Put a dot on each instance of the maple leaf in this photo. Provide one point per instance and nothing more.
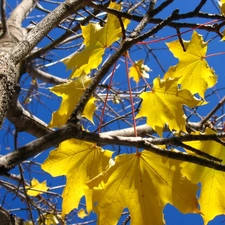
(144, 183)
(79, 161)
(48, 219)
(212, 193)
(192, 70)
(89, 109)
(96, 39)
(86, 60)
(82, 213)
(222, 6)
(163, 105)
(36, 188)
(70, 93)
(139, 70)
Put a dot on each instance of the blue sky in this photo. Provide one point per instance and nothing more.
(42, 106)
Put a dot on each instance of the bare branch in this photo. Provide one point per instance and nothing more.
(45, 77)
(33, 148)
(60, 40)
(200, 5)
(24, 120)
(20, 12)
(41, 29)
(213, 111)
(66, 132)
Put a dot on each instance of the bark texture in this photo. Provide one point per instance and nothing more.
(8, 219)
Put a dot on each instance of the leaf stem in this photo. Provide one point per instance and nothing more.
(131, 97)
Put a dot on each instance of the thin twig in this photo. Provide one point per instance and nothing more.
(28, 200)
(44, 76)
(199, 6)
(213, 111)
(180, 39)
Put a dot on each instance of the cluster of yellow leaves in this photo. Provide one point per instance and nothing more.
(146, 181)
(212, 193)
(163, 104)
(96, 39)
(142, 182)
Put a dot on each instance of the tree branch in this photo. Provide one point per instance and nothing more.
(41, 29)
(4, 18)
(24, 120)
(20, 12)
(43, 76)
(12, 159)
(213, 111)
(61, 39)
(126, 44)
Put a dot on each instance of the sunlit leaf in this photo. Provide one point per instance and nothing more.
(48, 219)
(144, 183)
(70, 93)
(212, 193)
(79, 161)
(36, 188)
(89, 109)
(192, 70)
(139, 70)
(86, 60)
(163, 105)
(222, 6)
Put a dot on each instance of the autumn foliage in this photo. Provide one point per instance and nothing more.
(180, 162)
(146, 181)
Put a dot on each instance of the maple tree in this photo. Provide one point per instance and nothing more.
(119, 129)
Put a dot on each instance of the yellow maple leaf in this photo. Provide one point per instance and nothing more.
(163, 105)
(89, 109)
(79, 161)
(144, 183)
(212, 193)
(96, 39)
(112, 31)
(222, 6)
(70, 93)
(139, 70)
(192, 70)
(36, 188)
(86, 60)
(48, 219)
(82, 213)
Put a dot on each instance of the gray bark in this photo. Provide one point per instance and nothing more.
(15, 45)
(8, 219)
